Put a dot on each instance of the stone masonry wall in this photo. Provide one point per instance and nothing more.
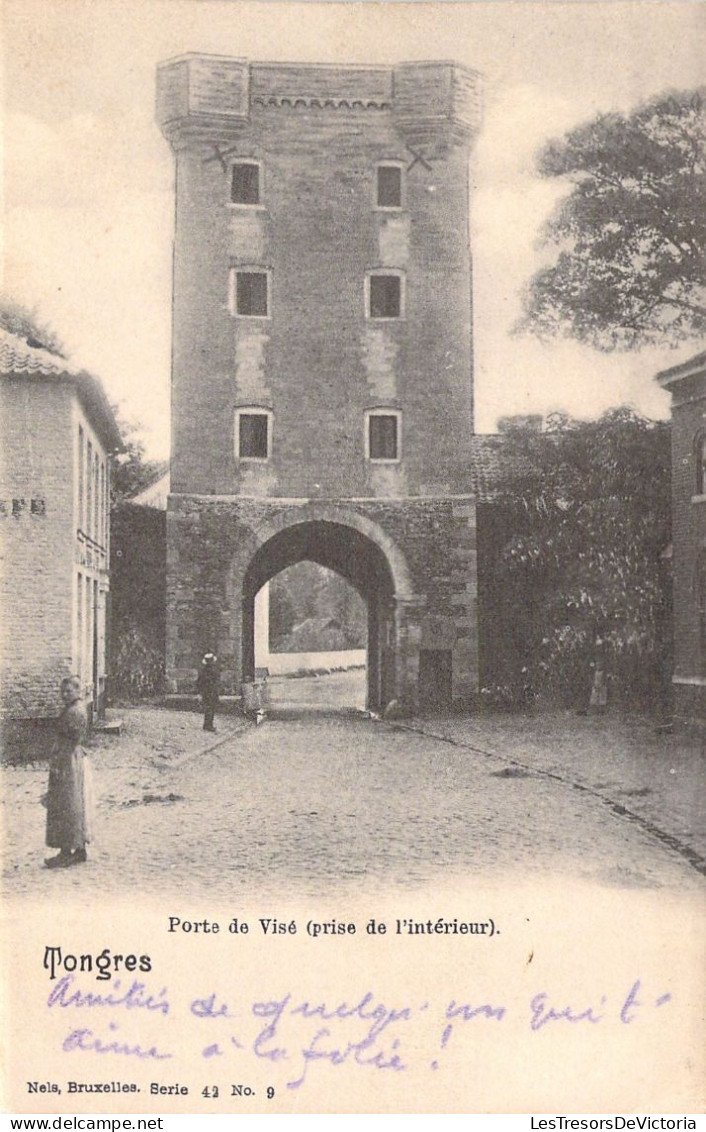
(210, 543)
(36, 540)
(317, 361)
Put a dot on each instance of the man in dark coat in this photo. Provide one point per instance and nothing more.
(207, 687)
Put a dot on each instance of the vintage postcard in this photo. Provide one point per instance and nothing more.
(353, 623)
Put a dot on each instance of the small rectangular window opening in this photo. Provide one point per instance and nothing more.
(251, 293)
(253, 433)
(245, 185)
(389, 188)
(382, 436)
(385, 296)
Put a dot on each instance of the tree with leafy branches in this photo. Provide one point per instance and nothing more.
(132, 470)
(28, 324)
(629, 238)
(582, 561)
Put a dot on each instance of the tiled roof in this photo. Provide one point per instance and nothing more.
(19, 359)
(17, 356)
(490, 466)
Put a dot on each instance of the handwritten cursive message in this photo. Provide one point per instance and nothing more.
(292, 1033)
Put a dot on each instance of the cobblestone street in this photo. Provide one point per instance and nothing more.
(313, 800)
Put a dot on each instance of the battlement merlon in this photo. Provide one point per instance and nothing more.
(214, 96)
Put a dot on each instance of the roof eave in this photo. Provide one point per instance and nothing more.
(691, 368)
(97, 405)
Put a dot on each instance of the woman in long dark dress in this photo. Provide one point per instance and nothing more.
(70, 796)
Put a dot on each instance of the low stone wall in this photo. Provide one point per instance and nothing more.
(285, 663)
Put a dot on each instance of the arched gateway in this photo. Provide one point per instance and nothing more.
(360, 552)
(322, 386)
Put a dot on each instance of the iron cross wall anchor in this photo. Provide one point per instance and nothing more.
(220, 155)
(418, 158)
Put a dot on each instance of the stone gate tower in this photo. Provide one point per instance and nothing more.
(322, 386)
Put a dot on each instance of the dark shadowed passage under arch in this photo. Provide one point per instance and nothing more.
(357, 559)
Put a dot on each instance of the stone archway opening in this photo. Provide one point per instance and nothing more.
(355, 557)
(311, 634)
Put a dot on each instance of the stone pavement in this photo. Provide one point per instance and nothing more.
(313, 802)
(656, 776)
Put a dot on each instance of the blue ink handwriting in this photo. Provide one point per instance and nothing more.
(136, 996)
(87, 1042)
(292, 1033)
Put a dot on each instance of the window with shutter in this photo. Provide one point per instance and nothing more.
(383, 436)
(389, 186)
(385, 296)
(250, 295)
(245, 183)
(253, 434)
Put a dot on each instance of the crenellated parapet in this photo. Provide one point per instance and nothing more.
(214, 96)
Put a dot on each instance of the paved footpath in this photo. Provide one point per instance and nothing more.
(658, 779)
(312, 800)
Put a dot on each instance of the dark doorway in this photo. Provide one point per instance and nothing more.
(434, 680)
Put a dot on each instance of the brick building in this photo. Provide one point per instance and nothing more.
(58, 434)
(322, 385)
(687, 385)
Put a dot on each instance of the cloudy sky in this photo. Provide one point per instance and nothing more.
(88, 186)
